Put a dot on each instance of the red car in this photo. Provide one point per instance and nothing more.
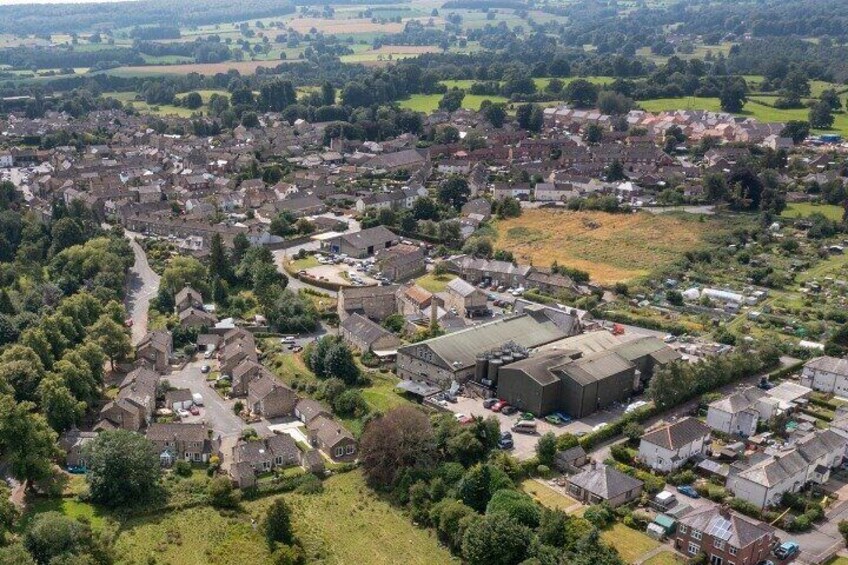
(499, 405)
(195, 411)
(465, 420)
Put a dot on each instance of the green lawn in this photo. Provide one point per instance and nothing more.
(805, 209)
(434, 283)
(68, 506)
(306, 263)
(381, 395)
(631, 545)
(838, 560)
(665, 558)
(547, 496)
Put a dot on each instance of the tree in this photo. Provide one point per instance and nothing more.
(516, 505)
(221, 493)
(15, 554)
(219, 263)
(496, 114)
(733, 96)
(28, 442)
(450, 517)
(615, 171)
(250, 120)
(184, 271)
(328, 94)
(292, 313)
(821, 116)
(594, 134)
(614, 103)
(424, 208)
(529, 117)
(831, 98)
(479, 483)
(61, 409)
(65, 233)
(843, 529)
(546, 449)
(277, 524)
(452, 100)
(715, 187)
(401, 440)
(112, 338)
(496, 540)
(669, 384)
(193, 100)
(276, 95)
(123, 468)
(798, 130)
(55, 538)
(581, 93)
(633, 431)
(454, 191)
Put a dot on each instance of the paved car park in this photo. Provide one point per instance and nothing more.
(525, 444)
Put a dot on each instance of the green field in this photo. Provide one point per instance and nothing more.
(631, 545)
(805, 209)
(338, 526)
(752, 109)
(434, 283)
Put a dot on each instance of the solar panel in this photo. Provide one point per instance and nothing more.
(720, 528)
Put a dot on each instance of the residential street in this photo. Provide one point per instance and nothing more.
(142, 285)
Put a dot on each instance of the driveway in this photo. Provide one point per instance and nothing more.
(216, 412)
(142, 285)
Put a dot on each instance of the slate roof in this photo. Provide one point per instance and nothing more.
(329, 431)
(366, 330)
(183, 432)
(377, 235)
(461, 287)
(829, 365)
(605, 481)
(676, 435)
(739, 401)
(309, 409)
(734, 529)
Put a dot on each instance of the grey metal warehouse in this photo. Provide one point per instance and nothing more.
(581, 375)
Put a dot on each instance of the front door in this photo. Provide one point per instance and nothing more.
(716, 560)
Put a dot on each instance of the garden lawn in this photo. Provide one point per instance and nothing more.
(805, 209)
(668, 558)
(434, 283)
(631, 545)
(67, 506)
(547, 496)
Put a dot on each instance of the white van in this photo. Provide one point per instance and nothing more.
(524, 427)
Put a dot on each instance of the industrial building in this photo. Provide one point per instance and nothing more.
(578, 375)
(454, 357)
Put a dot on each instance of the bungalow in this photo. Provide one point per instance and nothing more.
(332, 438)
(669, 447)
(273, 452)
(307, 410)
(602, 483)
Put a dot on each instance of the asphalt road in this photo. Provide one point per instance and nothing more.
(142, 285)
(216, 412)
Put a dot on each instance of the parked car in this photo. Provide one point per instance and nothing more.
(553, 419)
(506, 435)
(489, 402)
(499, 405)
(528, 416)
(787, 550)
(195, 411)
(184, 413)
(509, 410)
(564, 418)
(506, 444)
(205, 369)
(689, 491)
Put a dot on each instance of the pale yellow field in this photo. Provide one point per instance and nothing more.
(610, 247)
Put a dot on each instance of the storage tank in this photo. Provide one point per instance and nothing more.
(481, 368)
(507, 358)
(494, 367)
(519, 355)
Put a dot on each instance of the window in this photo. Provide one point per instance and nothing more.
(732, 550)
(693, 548)
(696, 534)
(279, 460)
(339, 451)
(716, 560)
(719, 544)
(197, 457)
(350, 449)
(682, 529)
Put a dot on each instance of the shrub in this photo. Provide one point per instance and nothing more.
(516, 505)
(599, 515)
(745, 507)
(621, 453)
(682, 477)
(182, 468)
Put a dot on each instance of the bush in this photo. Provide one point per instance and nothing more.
(599, 515)
(621, 454)
(745, 507)
(543, 471)
(182, 468)
(682, 477)
(516, 505)
(221, 493)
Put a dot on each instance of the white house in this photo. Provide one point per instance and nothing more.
(669, 447)
(739, 412)
(827, 374)
(765, 477)
(6, 160)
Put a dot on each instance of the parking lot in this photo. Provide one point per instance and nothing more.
(525, 444)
